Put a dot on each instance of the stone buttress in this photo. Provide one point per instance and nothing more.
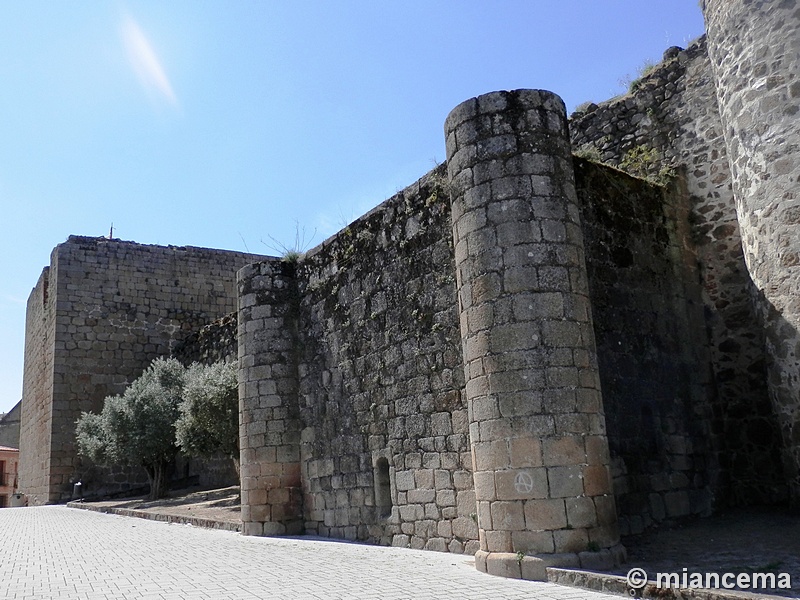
(755, 52)
(537, 429)
(269, 424)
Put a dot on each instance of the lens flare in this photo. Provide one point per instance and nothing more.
(145, 63)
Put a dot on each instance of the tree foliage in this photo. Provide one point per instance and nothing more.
(209, 414)
(138, 428)
(168, 407)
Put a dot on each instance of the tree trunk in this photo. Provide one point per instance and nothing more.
(157, 476)
(236, 466)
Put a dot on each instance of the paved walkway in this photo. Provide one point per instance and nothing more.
(54, 552)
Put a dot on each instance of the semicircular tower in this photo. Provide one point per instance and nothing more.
(754, 47)
(537, 430)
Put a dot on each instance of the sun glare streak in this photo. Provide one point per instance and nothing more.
(145, 63)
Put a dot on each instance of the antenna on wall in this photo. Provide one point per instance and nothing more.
(111, 232)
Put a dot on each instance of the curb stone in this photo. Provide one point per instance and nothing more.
(616, 584)
(153, 516)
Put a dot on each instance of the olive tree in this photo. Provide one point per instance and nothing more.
(138, 427)
(209, 414)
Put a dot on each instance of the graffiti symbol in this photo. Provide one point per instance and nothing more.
(523, 483)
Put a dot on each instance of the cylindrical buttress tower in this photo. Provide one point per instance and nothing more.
(269, 424)
(755, 52)
(537, 430)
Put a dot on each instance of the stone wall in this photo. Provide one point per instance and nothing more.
(380, 378)
(431, 376)
(537, 429)
(361, 419)
(212, 343)
(37, 388)
(99, 315)
(652, 346)
(670, 126)
(754, 51)
(269, 424)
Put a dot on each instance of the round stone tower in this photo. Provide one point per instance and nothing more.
(537, 430)
(754, 47)
(269, 423)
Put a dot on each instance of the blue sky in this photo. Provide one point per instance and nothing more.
(225, 124)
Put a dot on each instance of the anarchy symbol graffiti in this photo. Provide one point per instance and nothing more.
(523, 483)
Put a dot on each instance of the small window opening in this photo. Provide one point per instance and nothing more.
(383, 488)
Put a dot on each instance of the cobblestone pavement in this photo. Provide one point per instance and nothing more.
(54, 552)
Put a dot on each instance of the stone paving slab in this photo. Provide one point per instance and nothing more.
(755, 539)
(738, 541)
(54, 552)
(713, 544)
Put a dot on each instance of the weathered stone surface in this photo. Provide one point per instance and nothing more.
(670, 123)
(431, 375)
(98, 316)
(753, 49)
(536, 270)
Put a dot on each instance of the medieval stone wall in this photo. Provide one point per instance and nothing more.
(652, 346)
(9, 427)
(355, 420)
(37, 389)
(99, 315)
(755, 51)
(522, 355)
(381, 379)
(537, 429)
(212, 343)
(669, 125)
(269, 423)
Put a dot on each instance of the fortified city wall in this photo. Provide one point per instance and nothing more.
(755, 54)
(363, 432)
(211, 343)
(523, 355)
(98, 316)
(669, 125)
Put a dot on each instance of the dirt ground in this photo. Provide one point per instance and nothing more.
(221, 505)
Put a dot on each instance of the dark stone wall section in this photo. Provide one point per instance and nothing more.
(381, 378)
(669, 127)
(652, 346)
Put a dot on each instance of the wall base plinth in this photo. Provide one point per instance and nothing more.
(534, 568)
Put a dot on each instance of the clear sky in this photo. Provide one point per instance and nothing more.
(226, 123)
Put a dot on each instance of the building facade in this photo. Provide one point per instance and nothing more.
(9, 460)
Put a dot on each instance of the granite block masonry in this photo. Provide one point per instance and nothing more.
(524, 355)
(100, 313)
(537, 431)
(755, 54)
(269, 425)
(670, 123)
